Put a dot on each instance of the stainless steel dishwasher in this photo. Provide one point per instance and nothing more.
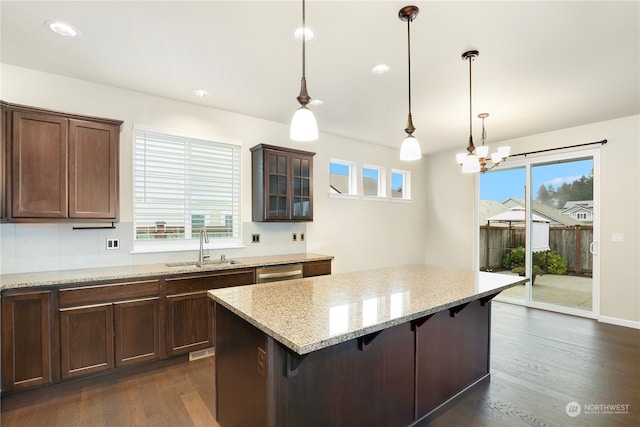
(279, 272)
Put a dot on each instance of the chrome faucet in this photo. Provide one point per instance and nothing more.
(204, 238)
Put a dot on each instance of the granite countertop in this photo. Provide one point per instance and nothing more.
(65, 277)
(317, 312)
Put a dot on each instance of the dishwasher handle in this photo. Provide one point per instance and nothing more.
(279, 275)
(281, 272)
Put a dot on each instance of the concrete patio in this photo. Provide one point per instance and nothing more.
(567, 291)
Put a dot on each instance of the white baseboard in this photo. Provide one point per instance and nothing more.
(619, 322)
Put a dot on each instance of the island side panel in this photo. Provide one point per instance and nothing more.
(241, 383)
(366, 381)
(452, 353)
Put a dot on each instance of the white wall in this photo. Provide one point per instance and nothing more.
(452, 195)
(360, 234)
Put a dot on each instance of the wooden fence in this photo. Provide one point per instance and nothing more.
(571, 243)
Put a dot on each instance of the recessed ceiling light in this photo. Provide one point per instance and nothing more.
(316, 102)
(200, 93)
(380, 69)
(62, 28)
(309, 34)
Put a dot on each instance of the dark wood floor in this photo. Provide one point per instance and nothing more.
(541, 362)
(179, 394)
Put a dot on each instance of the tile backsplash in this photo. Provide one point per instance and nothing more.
(45, 247)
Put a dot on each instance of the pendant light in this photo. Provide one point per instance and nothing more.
(303, 124)
(475, 159)
(410, 148)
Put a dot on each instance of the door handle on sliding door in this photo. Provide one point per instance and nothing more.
(593, 248)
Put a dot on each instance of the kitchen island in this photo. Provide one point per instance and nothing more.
(384, 347)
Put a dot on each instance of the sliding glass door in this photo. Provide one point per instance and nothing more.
(563, 269)
(502, 225)
(539, 219)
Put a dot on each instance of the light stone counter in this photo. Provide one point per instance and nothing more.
(317, 312)
(65, 277)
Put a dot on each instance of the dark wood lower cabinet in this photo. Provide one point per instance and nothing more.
(86, 340)
(189, 322)
(26, 340)
(446, 344)
(137, 336)
(316, 268)
(65, 332)
(400, 376)
(107, 326)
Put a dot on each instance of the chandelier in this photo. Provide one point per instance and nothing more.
(475, 159)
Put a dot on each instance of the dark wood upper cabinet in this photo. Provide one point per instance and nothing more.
(59, 167)
(4, 129)
(39, 166)
(93, 170)
(282, 181)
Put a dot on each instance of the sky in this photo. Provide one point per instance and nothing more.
(503, 183)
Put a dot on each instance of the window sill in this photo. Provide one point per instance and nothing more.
(343, 196)
(375, 198)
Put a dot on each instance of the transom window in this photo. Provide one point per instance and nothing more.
(400, 185)
(342, 178)
(373, 181)
(182, 185)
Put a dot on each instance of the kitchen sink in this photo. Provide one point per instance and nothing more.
(192, 264)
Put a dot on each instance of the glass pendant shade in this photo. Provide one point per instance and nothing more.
(410, 149)
(504, 151)
(460, 158)
(496, 157)
(303, 125)
(482, 151)
(471, 164)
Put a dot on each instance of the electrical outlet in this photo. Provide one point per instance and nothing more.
(113, 244)
(295, 237)
(255, 238)
(302, 237)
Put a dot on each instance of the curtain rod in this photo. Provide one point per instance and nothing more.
(604, 141)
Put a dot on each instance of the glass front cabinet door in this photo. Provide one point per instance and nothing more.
(282, 184)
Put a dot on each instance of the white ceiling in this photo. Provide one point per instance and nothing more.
(543, 65)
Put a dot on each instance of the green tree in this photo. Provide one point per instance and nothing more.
(579, 189)
(544, 196)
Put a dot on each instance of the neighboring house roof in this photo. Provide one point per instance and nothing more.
(554, 216)
(515, 214)
(584, 203)
(489, 208)
(339, 184)
(576, 209)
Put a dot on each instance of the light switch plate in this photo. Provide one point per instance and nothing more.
(617, 237)
(113, 244)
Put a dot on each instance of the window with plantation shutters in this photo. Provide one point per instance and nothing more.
(183, 184)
